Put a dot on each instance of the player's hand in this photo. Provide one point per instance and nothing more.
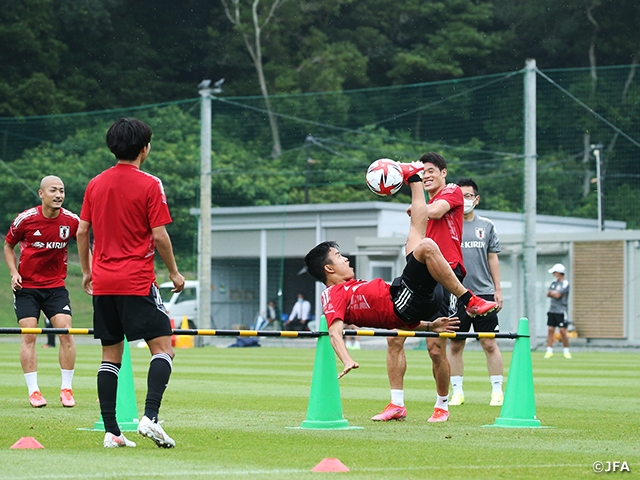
(445, 324)
(178, 282)
(497, 297)
(87, 283)
(348, 367)
(16, 282)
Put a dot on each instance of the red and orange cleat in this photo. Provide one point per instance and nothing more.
(479, 306)
(411, 169)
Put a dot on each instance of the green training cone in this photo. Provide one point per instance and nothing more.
(325, 407)
(519, 407)
(126, 409)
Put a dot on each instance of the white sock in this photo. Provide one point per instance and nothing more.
(32, 381)
(550, 349)
(442, 402)
(496, 383)
(566, 350)
(67, 379)
(397, 397)
(356, 343)
(456, 383)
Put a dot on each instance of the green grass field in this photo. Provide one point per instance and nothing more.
(229, 409)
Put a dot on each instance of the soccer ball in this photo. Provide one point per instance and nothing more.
(384, 177)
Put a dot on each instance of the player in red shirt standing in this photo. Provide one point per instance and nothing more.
(445, 216)
(127, 210)
(43, 233)
(403, 304)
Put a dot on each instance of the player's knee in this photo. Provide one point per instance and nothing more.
(457, 347)
(395, 344)
(426, 248)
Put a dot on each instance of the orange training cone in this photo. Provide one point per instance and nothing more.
(330, 465)
(184, 341)
(27, 442)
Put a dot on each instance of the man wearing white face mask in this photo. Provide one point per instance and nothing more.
(480, 247)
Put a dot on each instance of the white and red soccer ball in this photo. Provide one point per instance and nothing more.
(384, 177)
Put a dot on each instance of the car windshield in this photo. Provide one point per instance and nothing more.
(166, 293)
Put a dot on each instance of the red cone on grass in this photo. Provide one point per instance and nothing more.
(330, 465)
(27, 442)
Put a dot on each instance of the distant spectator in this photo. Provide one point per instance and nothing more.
(300, 315)
(273, 316)
(558, 309)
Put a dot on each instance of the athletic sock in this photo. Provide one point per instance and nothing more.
(464, 298)
(397, 397)
(442, 402)
(456, 384)
(32, 381)
(107, 393)
(157, 381)
(566, 350)
(67, 379)
(549, 349)
(496, 383)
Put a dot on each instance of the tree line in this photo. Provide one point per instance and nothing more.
(64, 56)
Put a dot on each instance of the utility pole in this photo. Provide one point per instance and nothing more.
(598, 180)
(530, 187)
(307, 144)
(204, 234)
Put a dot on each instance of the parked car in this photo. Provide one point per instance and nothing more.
(181, 304)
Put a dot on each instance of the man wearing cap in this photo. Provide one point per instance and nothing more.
(557, 315)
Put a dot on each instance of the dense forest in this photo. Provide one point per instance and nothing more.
(314, 90)
(63, 56)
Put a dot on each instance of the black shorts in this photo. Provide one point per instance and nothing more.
(557, 320)
(115, 316)
(417, 296)
(29, 302)
(486, 323)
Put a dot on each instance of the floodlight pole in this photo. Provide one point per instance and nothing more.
(530, 187)
(204, 235)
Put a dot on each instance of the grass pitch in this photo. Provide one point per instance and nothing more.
(228, 410)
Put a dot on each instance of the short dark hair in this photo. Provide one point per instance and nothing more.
(468, 182)
(317, 258)
(127, 137)
(434, 158)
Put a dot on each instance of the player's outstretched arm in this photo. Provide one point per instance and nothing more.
(337, 342)
(440, 325)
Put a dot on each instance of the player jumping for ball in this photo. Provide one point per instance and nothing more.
(403, 304)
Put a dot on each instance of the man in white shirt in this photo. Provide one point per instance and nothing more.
(300, 315)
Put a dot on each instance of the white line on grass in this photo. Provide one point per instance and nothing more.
(193, 473)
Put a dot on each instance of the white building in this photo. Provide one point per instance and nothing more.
(602, 266)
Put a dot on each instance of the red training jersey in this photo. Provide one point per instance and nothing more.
(123, 204)
(447, 231)
(362, 303)
(43, 246)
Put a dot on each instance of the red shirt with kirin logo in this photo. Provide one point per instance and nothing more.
(43, 246)
(362, 303)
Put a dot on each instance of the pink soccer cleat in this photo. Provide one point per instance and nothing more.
(37, 400)
(439, 415)
(66, 397)
(391, 412)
